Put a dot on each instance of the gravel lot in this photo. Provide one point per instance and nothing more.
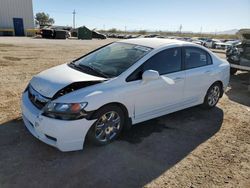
(190, 148)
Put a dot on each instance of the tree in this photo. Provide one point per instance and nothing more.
(142, 32)
(113, 30)
(44, 19)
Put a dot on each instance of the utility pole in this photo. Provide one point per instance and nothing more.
(180, 28)
(74, 15)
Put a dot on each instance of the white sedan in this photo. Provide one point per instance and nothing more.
(118, 85)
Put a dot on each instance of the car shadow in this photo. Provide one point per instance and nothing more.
(238, 88)
(139, 156)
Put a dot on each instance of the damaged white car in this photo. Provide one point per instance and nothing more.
(118, 85)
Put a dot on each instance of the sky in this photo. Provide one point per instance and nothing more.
(152, 15)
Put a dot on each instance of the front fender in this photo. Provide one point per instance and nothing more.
(98, 98)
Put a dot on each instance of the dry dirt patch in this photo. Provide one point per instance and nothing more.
(11, 58)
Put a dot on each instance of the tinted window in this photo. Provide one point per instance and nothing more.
(166, 61)
(195, 57)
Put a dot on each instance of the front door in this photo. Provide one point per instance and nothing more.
(18, 26)
(153, 98)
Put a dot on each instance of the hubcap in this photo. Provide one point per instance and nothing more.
(107, 126)
(213, 96)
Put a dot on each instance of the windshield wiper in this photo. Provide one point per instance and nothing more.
(95, 70)
(88, 68)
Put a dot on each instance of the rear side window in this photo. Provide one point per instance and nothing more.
(166, 61)
(196, 57)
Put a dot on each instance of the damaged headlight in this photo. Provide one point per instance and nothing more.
(65, 111)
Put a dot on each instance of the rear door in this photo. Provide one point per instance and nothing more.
(199, 73)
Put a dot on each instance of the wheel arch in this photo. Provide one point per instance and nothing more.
(128, 120)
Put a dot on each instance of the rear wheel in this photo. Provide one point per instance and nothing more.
(110, 121)
(212, 96)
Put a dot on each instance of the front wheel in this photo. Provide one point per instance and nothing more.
(212, 96)
(110, 121)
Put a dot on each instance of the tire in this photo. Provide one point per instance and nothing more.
(233, 71)
(213, 95)
(104, 131)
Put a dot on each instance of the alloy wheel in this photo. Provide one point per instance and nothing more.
(213, 95)
(107, 126)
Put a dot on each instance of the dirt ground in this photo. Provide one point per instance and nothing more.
(190, 148)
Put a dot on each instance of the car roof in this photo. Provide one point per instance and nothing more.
(153, 42)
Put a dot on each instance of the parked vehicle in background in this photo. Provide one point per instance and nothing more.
(152, 36)
(160, 37)
(221, 45)
(233, 42)
(130, 36)
(121, 36)
(97, 35)
(210, 43)
(47, 33)
(238, 55)
(127, 36)
(118, 85)
(200, 42)
(61, 34)
(203, 40)
(135, 36)
(55, 32)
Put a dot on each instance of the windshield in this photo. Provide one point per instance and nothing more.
(112, 60)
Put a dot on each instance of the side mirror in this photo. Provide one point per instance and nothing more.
(150, 75)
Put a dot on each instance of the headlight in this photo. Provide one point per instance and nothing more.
(65, 111)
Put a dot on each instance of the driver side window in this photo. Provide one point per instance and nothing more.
(165, 62)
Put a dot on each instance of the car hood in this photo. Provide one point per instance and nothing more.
(50, 81)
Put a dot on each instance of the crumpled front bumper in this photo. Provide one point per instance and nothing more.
(62, 134)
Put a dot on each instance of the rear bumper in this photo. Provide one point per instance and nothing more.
(64, 135)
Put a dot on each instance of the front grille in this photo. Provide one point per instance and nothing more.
(37, 99)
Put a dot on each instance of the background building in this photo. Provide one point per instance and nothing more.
(16, 17)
